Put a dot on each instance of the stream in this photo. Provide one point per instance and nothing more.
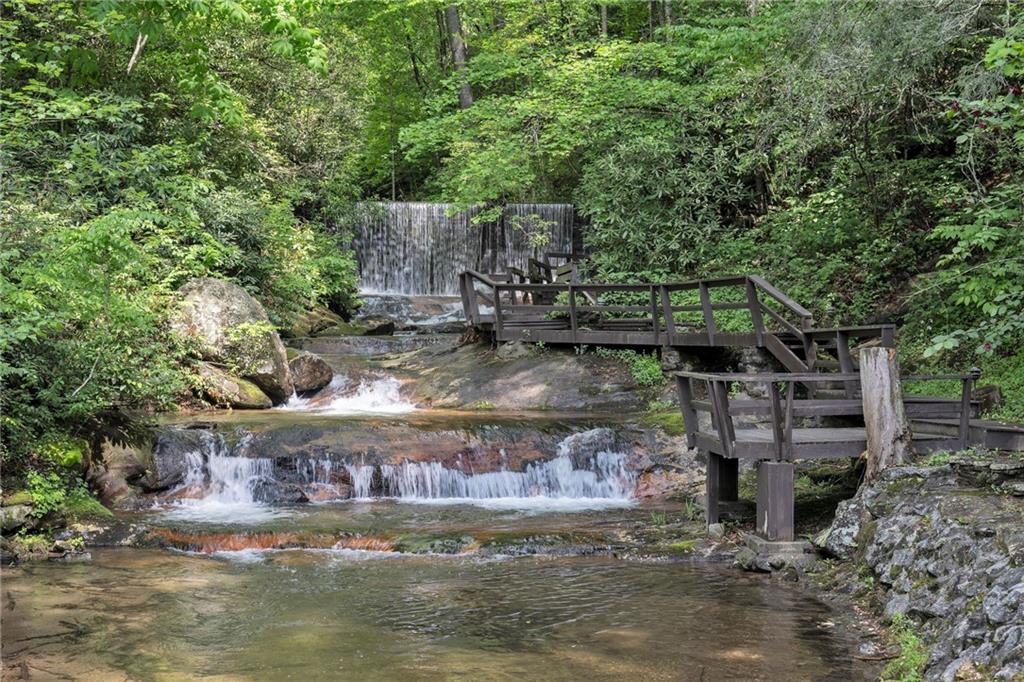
(427, 546)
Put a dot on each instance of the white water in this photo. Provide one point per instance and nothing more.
(372, 395)
(418, 248)
(227, 484)
(223, 487)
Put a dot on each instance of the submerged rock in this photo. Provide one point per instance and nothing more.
(231, 327)
(309, 372)
(230, 391)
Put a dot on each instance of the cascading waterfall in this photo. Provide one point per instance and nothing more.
(221, 484)
(556, 478)
(420, 248)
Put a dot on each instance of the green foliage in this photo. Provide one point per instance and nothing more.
(908, 666)
(645, 367)
(47, 491)
(140, 148)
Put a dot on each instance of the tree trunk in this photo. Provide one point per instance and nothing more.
(604, 21)
(451, 16)
(667, 7)
(888, 434)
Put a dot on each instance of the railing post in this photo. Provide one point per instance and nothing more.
(655, 326)
(845, 361)
(498, 326)
(670, 324)
(775, 407)
(965, 406)
(709, 312)
(684, 386)
(572, 312)
(755, 312)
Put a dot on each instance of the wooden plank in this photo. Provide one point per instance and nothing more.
(775, 500)
(653, 298)
(711, 493)
(782, 298)
(845, 360)
(775, 407)
(965, 412)
(783, 354)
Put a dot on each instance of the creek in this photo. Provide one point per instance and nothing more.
(355, 535)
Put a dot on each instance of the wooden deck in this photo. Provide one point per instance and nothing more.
(723, 312)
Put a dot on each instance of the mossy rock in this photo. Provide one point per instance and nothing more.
(226, 389)
(17, 497)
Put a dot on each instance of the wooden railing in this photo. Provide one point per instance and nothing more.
(646, 315)
(783, 407)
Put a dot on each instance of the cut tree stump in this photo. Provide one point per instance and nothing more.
(885, 422)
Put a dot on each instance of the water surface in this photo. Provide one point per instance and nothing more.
(303, 615)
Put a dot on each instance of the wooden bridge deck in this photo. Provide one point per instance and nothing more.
(724, 312)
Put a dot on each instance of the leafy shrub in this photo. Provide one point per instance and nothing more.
(645, 367)
(908, 666)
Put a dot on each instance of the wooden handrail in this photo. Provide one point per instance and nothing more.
(782, 298)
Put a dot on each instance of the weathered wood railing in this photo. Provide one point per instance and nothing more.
(784, 441)
(652, 315)
(787, 438)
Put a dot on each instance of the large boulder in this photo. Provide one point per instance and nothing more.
(309, 372)
(232, 328)
(228, 390)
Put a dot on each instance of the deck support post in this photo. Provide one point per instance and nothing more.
(721, 484)
(889, 438)
(775, 500)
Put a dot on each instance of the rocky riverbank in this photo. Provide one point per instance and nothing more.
(940, 548)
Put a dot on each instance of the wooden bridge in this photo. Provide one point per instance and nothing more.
(818, 414)
(726, 312)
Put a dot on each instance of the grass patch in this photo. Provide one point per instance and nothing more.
(645, 367)
(483, 405)
(669, 421)
(908, 666)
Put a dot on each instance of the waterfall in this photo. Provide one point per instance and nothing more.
(418, 248)
(569, 475)
(220, 483)
(555, 478)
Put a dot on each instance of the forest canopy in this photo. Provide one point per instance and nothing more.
(866, 156)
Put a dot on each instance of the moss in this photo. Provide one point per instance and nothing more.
(685, 546)
(291, 353)
(669, 421)
(18, 497)
(483, 405)
(80, 505)
(904, 484)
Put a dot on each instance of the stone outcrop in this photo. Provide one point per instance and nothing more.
(950, 556)
(231, 327)
(547, 379)
(229, 391)
(309, 372)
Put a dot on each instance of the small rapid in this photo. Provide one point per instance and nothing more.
(373, 394)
